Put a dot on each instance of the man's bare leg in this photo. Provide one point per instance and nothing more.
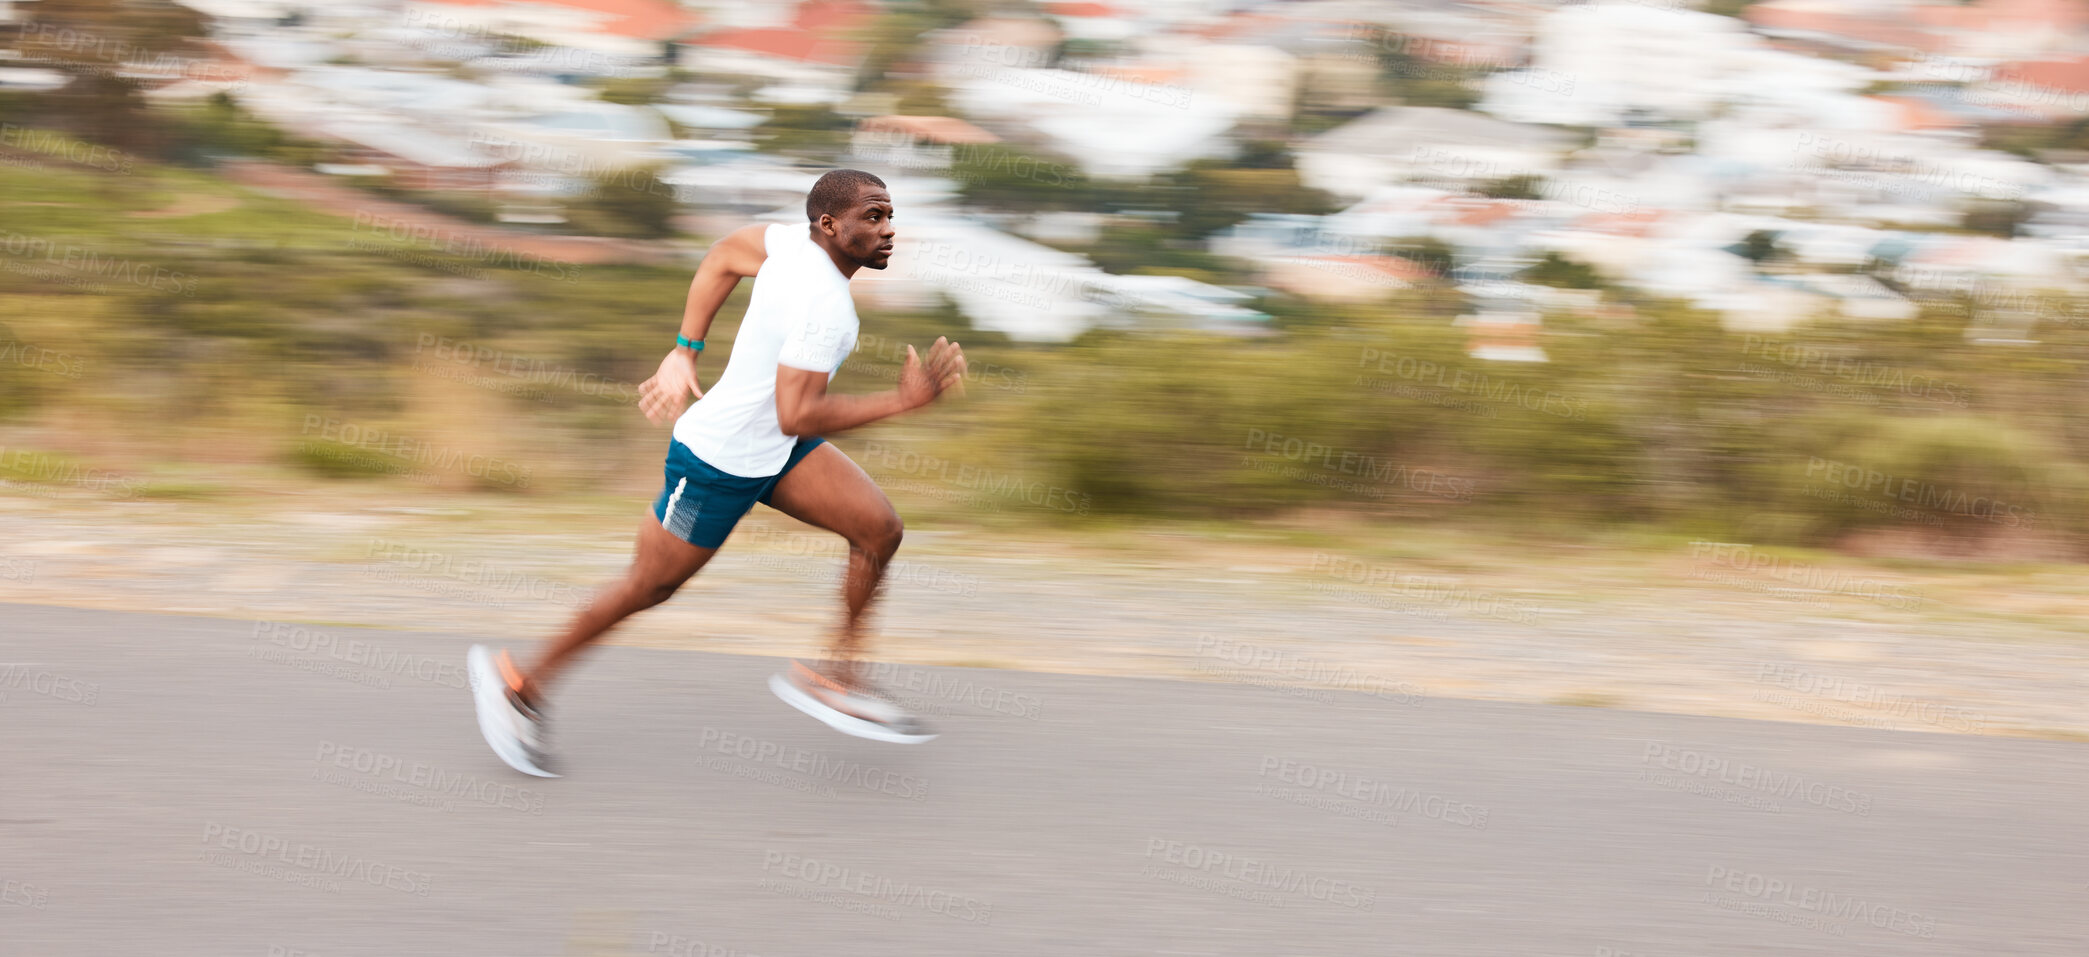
(828, 491)
(662, 563)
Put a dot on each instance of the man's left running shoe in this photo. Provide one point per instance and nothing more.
(858, 710)
(513, 728)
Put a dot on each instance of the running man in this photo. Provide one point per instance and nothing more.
(755, 437)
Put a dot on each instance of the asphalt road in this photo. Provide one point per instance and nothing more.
(174, 786)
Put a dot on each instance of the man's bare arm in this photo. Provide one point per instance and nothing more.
(803, 406)
(739, 255)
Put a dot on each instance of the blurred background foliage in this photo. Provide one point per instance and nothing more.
(273, 317)
(1650, 415)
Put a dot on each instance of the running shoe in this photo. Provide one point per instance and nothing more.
(860, 710)
(513, 728)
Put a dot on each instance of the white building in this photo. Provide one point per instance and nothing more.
(1598, 64)
(1430, 145)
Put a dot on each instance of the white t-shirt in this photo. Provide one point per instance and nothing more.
(801, 316)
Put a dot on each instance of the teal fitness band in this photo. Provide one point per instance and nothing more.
(682, 340)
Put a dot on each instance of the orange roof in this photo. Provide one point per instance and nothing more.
(1077, 9)
(644, 19)
(1142, 73)
(829, 15)
(786, 43)
(819, 33)
(2070, 76)
(1406, 270)
(1476, 210)
(934, 129)
(1237, 25)
(1638, 223)
(1918, 114)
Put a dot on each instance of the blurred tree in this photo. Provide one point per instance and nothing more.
(1760, 246)
(1005, 177)
(896, 36)
(1995, 217)
(813, 132)
(1426, 250)
(92, 41)
(1563, 273)
(919, 98)
(1418, 82)
(1212, 195)
(631, 203)
(1727, 8)
(633, 91)
(1511, 187)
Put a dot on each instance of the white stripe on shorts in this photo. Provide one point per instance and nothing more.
(667, 518)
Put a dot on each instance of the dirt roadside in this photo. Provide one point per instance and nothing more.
(1664, 632)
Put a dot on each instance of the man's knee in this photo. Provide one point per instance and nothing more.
(653, 593)
(655, 587)
(882, 539)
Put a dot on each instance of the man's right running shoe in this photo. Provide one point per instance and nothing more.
(859, 711)
(512, 728)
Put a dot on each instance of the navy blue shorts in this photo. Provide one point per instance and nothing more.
(700, 504)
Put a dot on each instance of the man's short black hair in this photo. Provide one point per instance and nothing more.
(836, 192)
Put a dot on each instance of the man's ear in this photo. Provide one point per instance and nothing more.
(826, 224)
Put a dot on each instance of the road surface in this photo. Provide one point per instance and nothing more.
(180, 786)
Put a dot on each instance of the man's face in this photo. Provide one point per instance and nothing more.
(864, 230)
